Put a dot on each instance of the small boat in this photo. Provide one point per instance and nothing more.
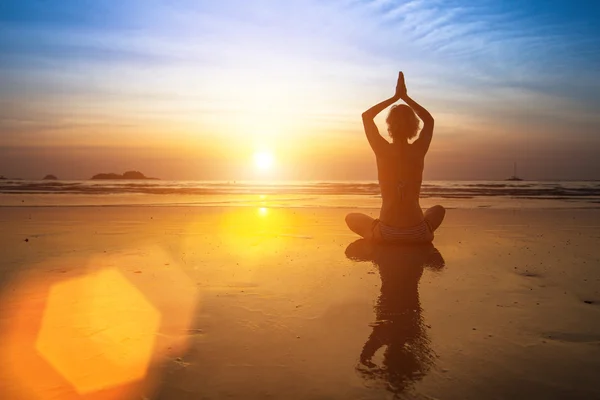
(514, 177)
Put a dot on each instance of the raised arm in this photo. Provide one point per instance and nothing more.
(377, 142)
(424, 140)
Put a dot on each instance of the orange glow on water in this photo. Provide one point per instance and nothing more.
(253, 233)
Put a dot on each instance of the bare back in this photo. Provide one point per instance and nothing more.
(400, 174)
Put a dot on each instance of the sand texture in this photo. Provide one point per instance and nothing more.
(285, 303)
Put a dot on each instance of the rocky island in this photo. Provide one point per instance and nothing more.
(129, 175)
(50, 178)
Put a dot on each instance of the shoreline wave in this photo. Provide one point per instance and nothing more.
(438, 189)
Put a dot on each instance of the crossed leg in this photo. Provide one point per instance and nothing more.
(435, 216)
(362, 224)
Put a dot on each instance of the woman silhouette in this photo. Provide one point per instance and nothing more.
(400, 172)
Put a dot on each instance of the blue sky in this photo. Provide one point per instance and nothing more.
(505, 80)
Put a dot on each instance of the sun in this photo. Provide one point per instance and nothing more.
(263, 160)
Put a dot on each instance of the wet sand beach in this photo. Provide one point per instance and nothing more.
(257, 302)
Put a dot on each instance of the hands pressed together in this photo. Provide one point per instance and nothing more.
(400, 87)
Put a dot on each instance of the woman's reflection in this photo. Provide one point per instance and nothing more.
(399, 324)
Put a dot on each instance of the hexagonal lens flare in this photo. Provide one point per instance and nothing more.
(98, 331)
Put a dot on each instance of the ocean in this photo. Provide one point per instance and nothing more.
(359, 194)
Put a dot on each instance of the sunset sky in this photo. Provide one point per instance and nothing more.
(188, 89)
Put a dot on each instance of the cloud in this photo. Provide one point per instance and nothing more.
(293, 68)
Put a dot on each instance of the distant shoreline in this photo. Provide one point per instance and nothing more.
(292, 181)
(129, 175)
(122, 179)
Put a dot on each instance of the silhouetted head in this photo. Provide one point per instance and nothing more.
(402, 123)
